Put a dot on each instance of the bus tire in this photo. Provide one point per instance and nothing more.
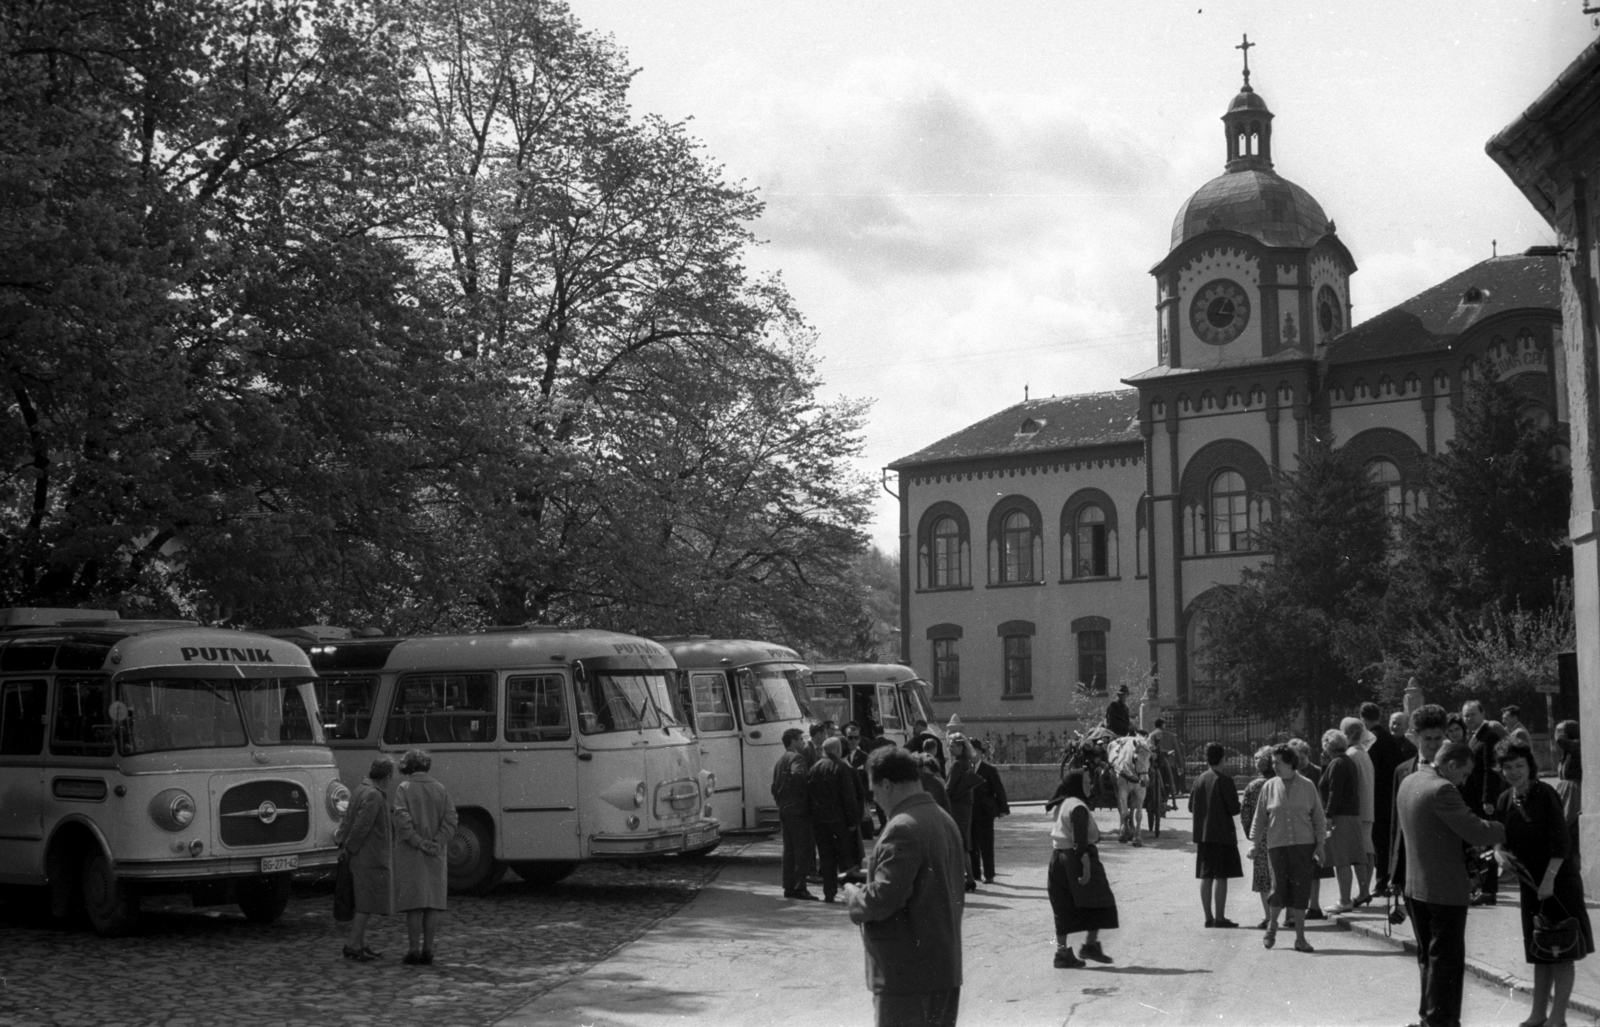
(109, 904)
(542, 873)
(473, 868)
(263, 899)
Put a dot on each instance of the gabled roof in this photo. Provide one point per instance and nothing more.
(1435, 318)
(1037, 425)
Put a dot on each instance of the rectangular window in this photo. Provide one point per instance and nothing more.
(430, 709)
(889, 708)
(22, 718)
(712, 711)
(82, 726)
(1019, 665)
(346, 704)
(1092, 660)
(536, 709)
(946, 668)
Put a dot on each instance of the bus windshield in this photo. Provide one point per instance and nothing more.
(766, 694)
(191, 713)
(610, 701)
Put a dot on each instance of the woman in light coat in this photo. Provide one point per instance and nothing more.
(1290, 823)
(424, 818)
(367, 842)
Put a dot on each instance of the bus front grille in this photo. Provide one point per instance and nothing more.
(675, 799)
(265, 813)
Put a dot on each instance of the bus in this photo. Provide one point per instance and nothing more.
(741, 696)
(884, 698)
(557, 745)
(146, 757)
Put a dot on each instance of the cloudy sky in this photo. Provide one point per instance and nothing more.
(966, 198)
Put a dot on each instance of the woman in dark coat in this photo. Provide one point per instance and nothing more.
(1538, 851)
(366, 842)
(1339, 787)
(425, 818)
(1080, 895)
(959, 785)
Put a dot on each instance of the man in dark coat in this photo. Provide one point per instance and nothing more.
(1435, 822)
(1483, 787)
(910, 908)
(960, 782)
(1384, 752)
(1427, 723)
(856, 756)
(1117, 718)
(1399, 728)
(835, 811)
(812, 750)
(789, 790)
(1214, 802)
(989, 804)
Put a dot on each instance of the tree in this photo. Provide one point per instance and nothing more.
(1300, 630)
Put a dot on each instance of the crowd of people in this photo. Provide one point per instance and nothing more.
(1424, 811)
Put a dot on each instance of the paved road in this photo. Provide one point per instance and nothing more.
(196, 968)
(740, 954)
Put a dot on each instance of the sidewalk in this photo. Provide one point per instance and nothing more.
(1494, 944)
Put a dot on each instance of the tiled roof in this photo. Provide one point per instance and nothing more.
(1259, 203)
(1435, 318)
(1060, 422)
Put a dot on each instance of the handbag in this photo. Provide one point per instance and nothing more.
(1556, 940)
(344, 891)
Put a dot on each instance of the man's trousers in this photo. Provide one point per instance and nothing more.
(1441, 934)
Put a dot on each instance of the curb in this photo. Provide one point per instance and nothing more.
(1483, 971)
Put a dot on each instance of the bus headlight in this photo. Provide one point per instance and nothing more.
(338, 797)
(172, 809)
(639, 794)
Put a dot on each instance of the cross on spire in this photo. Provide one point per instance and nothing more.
(1245, 46)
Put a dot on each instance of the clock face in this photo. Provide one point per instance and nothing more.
(1329, 317)
(1219, 312)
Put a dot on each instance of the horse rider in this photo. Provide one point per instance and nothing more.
(1117, 719)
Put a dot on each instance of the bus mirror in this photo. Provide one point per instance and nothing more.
(119, 712)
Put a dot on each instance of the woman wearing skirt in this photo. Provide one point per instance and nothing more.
(1260, 872)
(1080, 895)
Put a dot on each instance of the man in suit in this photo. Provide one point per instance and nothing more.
(812, 750)
(789, 791)
(1427, 724)
(1483, 788)
(910, 908)
(1385, 754)
(1117, 719)
(1435, 821)
(831, 789)
(990, 805)
(1214, 803)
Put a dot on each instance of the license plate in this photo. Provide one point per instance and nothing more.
(278, 864)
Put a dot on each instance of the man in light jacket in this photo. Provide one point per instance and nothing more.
(910, 908)
(1435, 820)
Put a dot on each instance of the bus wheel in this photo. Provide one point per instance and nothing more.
(542, 873)
(263, 899)
(473, 868)
(110, 906)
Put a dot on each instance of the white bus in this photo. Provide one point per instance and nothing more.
(741, 696)
(141, 757)
(556, 745)
(886, 699)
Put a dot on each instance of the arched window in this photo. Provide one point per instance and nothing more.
(944, 548)
(1386, 475)
(946, 553)
(1091, 558)
(1229, 513)
(1016, 547)
(1016, 544)
(1088, 536)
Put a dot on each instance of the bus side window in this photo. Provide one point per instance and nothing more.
(442, 707)
(22, 718)
(346, 704)
(536, 709)
(711, 709)
(82, 726)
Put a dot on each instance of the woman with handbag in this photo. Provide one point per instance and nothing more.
(1080, 895)
(1555, 924)
(366, 855)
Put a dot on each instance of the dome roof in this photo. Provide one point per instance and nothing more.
(1257, 202)
(1247, 100)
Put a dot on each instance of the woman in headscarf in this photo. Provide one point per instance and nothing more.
(1080, 895)
(425, 819)
(366, 841)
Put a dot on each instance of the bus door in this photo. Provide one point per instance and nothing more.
(890, 716)
(539, 771)
(22, 721)
(721, 751)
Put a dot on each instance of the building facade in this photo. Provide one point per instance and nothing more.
(1066, 545)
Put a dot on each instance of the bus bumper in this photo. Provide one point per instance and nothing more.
(217, 867)
(696, 836)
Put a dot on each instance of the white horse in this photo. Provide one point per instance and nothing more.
(1130, 757)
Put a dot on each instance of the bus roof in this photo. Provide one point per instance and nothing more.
(491, 650)
(844, 672)
(698, 652)
(149, 647)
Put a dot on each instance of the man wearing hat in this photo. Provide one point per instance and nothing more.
(1117, 714)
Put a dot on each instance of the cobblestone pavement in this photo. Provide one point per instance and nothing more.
(187, 967)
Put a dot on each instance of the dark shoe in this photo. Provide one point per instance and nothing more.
(368, 950)
(988, 880)
(1261, 926)
(803, 894)
(1317, 914)
(427, 958)
(359, 955)
(1361, 900)
(1271, 937)
(1301, 945)
(1222, 921)
(412, 959)
(972, 886)
(1092, 950)
(1211, 921)
(1065, 960)
(1485, 899)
